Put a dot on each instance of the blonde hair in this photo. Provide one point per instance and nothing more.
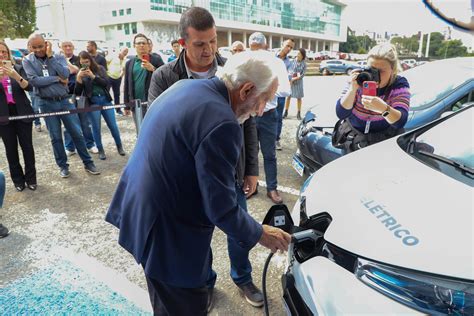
(389, 53)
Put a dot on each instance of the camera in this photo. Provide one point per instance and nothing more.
(368, 74)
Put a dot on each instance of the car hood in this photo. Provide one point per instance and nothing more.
(328, 120)
(433, 212)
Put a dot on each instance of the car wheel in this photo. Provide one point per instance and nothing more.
(325, 72)
(348, 71)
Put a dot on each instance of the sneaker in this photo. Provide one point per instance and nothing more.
(92, 169)
(278, 145)
(69, 153)
(93, 150)
(64, 173)
(252, 294)
(38, 128)
(121, 151)
(3, 231)
(102, 155)
(210, 299)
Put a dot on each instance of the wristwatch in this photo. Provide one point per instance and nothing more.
(386, 112)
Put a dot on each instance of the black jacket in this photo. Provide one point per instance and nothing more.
(128, 89)
(22, 103)
(165, 76)
(85, 88)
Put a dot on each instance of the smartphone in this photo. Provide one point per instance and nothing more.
(146, 57)
(369, 88)
(7, 64)
(84, 67)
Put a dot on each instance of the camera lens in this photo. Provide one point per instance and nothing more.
(363, 76)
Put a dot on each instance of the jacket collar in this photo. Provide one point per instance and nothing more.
(180, 67)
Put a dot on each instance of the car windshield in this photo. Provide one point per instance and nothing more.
(449, 75)
(437, 148)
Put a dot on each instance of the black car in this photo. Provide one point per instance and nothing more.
(437, 88)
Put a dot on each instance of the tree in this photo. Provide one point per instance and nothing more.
(19, 15)
(453, 48)
(6, 27)
(357, 44)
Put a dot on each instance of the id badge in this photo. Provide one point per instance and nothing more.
(45, 73)
(367, 127)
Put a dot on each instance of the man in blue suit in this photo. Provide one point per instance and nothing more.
(180, 182)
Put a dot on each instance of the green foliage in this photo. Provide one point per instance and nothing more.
(357, 44)
(406, 45)
(17, 18)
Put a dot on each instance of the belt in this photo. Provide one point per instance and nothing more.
(56, 98)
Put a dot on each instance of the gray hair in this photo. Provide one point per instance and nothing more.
(257, 38)
(257, 67)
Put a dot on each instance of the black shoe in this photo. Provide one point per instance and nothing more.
(20, 187)
(64, 173)
(121, 151)
(102, 155)
(252, 294)
(285, 114)
(32, 187)
(298, 115)
(3, 231)
(210, 299)
(92, 169)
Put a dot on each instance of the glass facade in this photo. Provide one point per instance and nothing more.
(315, 16)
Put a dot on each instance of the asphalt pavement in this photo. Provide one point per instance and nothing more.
(62, 257)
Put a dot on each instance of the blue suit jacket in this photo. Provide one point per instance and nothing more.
(179, 184)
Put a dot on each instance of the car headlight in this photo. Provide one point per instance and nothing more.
(423, 292)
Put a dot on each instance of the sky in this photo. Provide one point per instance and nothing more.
(406, 17)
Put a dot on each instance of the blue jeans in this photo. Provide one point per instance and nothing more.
(71, 123)
(86, 131)
(280, 108)
(240, 267)
(109, 117)
(34, 105)
(2, 188)
(267, 134)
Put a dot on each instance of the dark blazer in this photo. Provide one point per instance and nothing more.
(22, 106)
(87, 84)
(179, 183)
(128, 88)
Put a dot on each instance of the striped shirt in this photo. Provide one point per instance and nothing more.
(398, 97)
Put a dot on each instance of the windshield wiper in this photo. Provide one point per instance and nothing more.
(448, 161)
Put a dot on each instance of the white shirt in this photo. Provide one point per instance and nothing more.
(284, 88)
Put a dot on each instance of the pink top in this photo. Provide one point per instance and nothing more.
(7, 86)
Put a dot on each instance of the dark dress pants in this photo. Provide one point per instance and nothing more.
(17, 132)
(170, 300)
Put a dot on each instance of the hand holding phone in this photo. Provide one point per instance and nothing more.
(369, 88)
(49, 49)
(146, 58)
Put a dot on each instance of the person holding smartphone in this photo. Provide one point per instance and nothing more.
(14, 102)
(384, 114)
(92, 82)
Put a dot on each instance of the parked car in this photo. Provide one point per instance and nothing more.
(450, 86)
(328, 67)
(409, 62)
(388, 229)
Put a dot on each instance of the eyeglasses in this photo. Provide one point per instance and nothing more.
(141, 43)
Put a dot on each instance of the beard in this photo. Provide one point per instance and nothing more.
(246, 109)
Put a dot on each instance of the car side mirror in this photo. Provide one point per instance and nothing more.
(309, 116)
(279, 216)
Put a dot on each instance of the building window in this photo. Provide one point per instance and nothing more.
(129, 45)
(120, 44)
(119, 27)
(114, 13)
(134, 28)
(126, 28)
(121, 12)
(129, 11)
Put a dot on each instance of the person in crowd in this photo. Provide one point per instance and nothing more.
(374, 118)
(267, 124)
(115, 66)
(287, 47)
(199, 59)
(138, 72)
(176, 47)
(237, 47)
(92, 83)
(14, 102)
(296, 74)
(3, 230)
(174, 210)
(32, 93)
(49, 73)
(150, 46)
(92, 50)
(67, 48)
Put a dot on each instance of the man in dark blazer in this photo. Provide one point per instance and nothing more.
(180, 182)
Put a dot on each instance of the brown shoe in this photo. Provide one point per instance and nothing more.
(275, 196)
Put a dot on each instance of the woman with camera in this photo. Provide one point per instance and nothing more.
(297, 71)
(91, 84)
(375, 105)
(14, 102)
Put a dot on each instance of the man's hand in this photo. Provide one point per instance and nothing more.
(147, 65)
(63, 81)
(49, 49)
(274, 239)
(250, 185)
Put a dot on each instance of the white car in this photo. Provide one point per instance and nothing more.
(389, 228)
(409, 62)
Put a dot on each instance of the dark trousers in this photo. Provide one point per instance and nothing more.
(17, 132)
(115, 85)
(280, 108)
(170, 300)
